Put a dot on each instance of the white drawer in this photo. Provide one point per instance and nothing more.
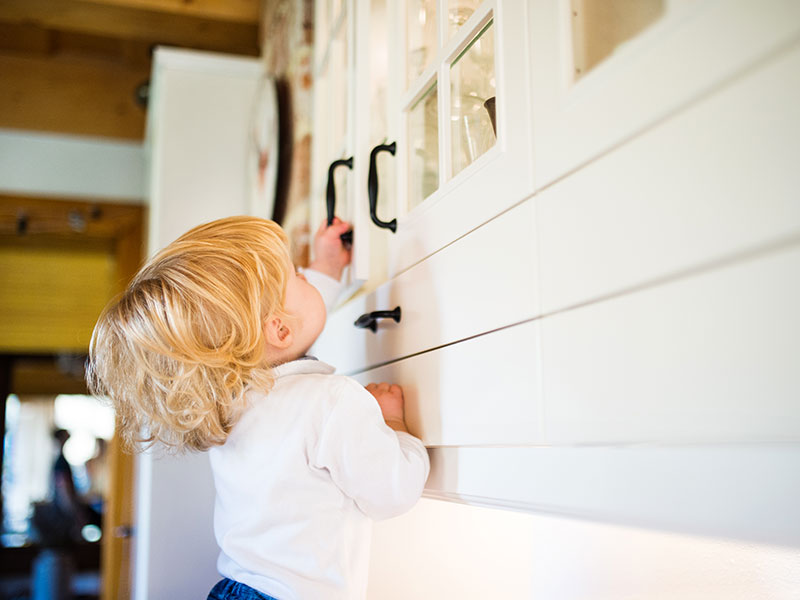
(718, 180)
(482, 391)
(712, 358)
(484, 281)
(745, 491)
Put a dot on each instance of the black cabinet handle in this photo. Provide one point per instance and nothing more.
(347, 236)
(372, 186)
(369, 320)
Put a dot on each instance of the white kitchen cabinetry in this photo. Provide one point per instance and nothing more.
(443, 90)
(605, 71)
(597, 300)
(333, 117)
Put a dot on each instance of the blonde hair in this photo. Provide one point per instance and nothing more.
(177, 350)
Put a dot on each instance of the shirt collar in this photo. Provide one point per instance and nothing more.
(303, 366)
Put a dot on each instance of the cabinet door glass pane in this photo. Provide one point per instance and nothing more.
(472, 100)
(458, 11)
(423, 148)
(420, 36)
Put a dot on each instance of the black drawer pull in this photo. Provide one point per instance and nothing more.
(370, 320)
(347, 236)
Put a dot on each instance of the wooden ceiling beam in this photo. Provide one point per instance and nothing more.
(119, 18)
(63, 95)
(46, 219)
(237, 11)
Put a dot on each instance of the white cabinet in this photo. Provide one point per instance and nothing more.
(467, 289)
(607, 275)
(716, 181)
(443, 89)
(605, 71)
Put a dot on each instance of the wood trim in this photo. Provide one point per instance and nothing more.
(71, 95)
(118, 523)
(237, 11)
(201, 29)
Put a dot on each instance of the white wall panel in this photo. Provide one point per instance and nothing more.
(198, 120)
(441, 551)
(42, 164)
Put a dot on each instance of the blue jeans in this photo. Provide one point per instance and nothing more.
(228, 589)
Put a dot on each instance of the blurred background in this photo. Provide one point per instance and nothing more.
(75, 79)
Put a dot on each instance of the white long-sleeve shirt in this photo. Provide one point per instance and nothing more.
(300, 478)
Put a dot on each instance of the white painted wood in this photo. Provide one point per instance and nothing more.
(689, 52)
(196, 148)
(442, 551)
(43, 164)
(713, 357)
(714, 181)
(482, 282)
(496, 181)
(742, 491)
(482, 391)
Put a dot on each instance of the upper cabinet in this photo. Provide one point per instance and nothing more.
(435, 114)
(333, 115)
(603, 72)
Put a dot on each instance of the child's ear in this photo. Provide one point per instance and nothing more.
(278, 333)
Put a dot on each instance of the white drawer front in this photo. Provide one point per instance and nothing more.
(483, 391)
(720, 179)
(484, 281)
(710, 358)
(746, 491)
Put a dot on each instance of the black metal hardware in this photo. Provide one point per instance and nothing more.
(347, 236)
(369, 320)
(372, 186)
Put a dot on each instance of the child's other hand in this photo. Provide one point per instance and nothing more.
(330, 255)
(390, 399)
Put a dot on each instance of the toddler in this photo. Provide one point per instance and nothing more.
(206, 350)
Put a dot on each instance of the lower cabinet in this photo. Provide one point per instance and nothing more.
(482, 391)
(624, 345)
(482, 282)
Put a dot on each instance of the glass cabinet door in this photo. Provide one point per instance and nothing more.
(445, 84)
(604, 71)
(333, 111)
(374, 126)
(462, 104)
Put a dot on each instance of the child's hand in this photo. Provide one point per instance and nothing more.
(390, 399)
(330, 255)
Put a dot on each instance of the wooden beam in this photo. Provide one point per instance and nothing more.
(238, 11)
(41, 376)
(71, 95)
(42, 220)
(120, 19)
